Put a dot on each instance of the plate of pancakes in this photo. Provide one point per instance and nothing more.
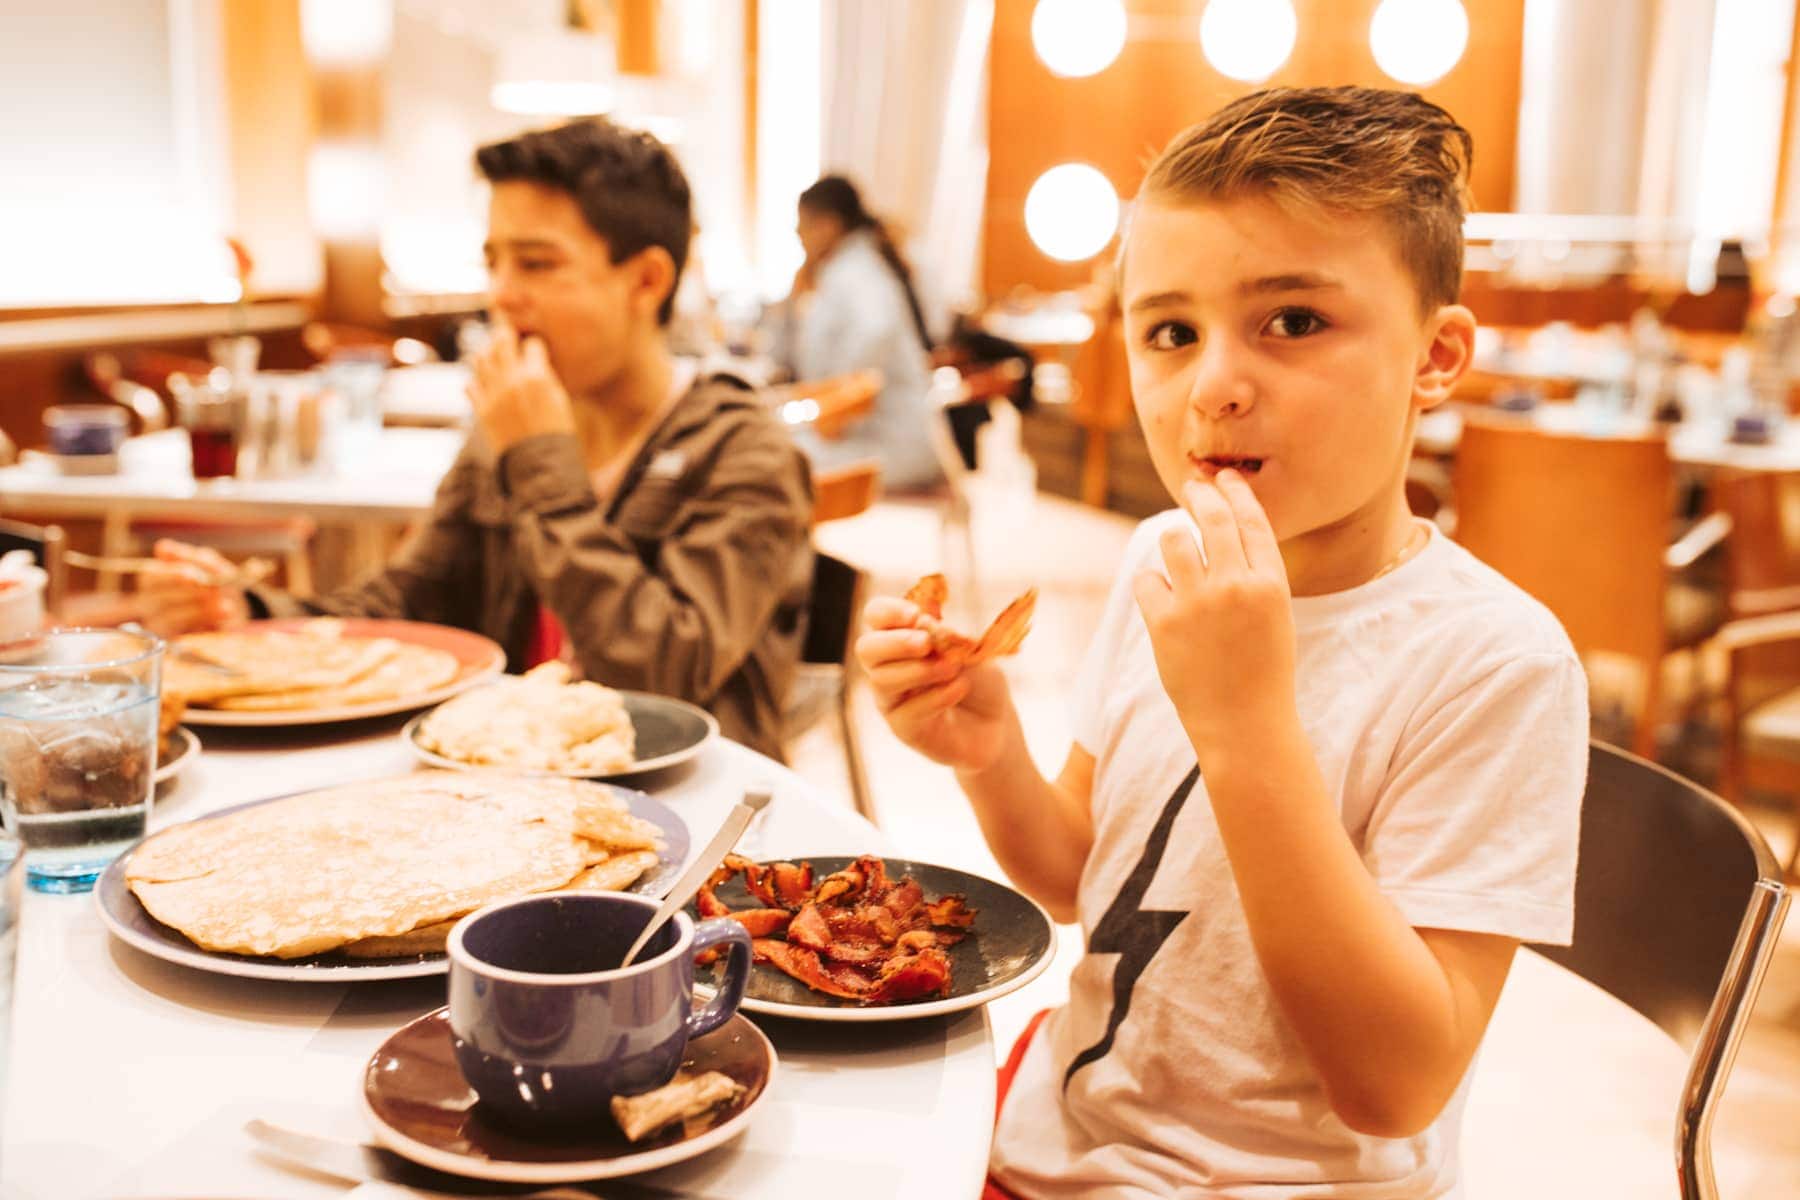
(323, 669)
(364, 880)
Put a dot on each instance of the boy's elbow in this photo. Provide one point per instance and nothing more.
(1390, 1112)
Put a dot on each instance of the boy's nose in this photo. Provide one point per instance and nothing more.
(1220, 392)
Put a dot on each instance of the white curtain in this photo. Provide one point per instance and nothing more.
(904, 115)
(1612, 111)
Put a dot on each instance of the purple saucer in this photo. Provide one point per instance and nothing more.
(420, 1107)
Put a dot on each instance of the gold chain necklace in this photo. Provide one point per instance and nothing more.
(1414, 544)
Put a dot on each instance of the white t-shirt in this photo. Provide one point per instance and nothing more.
(1448, 714)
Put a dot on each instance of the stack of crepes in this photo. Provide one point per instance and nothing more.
(384, 868)
(313, 667)
(538, 721)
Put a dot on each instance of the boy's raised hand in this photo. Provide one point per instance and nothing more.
(951, 712)
(1222, 626)
(515, 393)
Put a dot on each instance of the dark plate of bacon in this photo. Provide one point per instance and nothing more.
(872, 939)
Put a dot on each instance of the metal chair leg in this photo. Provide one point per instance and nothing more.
(853, 759)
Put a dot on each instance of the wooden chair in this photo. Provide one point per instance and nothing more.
(1678, 913)
(1760, 730)
(1582, 523)
(845, 491)
(827, 659)
(46, 543)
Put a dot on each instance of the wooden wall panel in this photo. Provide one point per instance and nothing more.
(1161, 83)
(269, 104)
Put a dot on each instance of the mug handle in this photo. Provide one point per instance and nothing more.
(709, 935)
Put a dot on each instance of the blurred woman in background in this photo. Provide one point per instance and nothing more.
(854, 307)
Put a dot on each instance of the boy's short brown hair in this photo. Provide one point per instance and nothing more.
(1338, 149)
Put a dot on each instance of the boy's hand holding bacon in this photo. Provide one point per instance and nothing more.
(1222, 626)
(941, 692)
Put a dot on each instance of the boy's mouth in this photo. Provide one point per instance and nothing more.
(1211, 464)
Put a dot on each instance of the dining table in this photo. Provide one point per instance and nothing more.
(1703, 443)
(131, 1077)
(387, 481)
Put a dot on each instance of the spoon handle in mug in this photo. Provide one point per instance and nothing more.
(736, 821)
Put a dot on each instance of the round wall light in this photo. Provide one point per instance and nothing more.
(1078, 37)
(1418, 41)
(1248, 40)
(1071, 212)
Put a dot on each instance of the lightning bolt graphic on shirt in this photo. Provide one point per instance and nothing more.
(1132, 932)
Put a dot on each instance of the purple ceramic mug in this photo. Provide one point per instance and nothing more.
(547, 1027)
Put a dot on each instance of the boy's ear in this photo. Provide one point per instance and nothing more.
(652, 279)
(1447, 355)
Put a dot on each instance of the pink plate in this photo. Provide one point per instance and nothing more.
(478, 659)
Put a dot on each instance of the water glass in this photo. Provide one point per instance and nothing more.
(78, 726)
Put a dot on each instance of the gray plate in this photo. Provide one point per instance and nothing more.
(665, 730)
(1011, 943)
(187, 749)
(131, 923)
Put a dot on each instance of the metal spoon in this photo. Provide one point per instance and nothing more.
(736, 821)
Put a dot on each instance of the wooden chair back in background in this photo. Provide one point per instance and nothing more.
(1581, 523)
(845, 491)
(1762, 576)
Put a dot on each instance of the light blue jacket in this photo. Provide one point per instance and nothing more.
(857, 317)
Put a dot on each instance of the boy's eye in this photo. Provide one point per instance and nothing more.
(1170, 335)
(1295, 323)
(535, 264)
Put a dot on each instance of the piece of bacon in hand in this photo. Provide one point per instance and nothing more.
(1002, 637)
(929, 594)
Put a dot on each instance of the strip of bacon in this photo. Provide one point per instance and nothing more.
(902, 899)
(912, 977)
(793, 884)
(929, 594)
(763, 922)
(805, 965)
(869, 922)
(812, 929)
(952, 911)
(845, 884)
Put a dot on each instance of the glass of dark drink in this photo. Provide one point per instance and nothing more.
(207, 408)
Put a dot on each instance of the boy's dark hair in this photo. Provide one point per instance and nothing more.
(627, 184)
(1338, 149)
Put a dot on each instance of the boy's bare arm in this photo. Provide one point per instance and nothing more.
(1390, 1016)
(1041, 832)
(963, 716)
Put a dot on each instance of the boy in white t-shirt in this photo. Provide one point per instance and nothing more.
(1328, 767)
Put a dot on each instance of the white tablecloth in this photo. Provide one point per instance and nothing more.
(133, 1078)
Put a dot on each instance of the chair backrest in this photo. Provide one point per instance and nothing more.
(946, 392)
(845, 491)
(1678, 904)
(1762, 573)
(1582, 523)
(46, 544)
(837, 589)
(1762, 552)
